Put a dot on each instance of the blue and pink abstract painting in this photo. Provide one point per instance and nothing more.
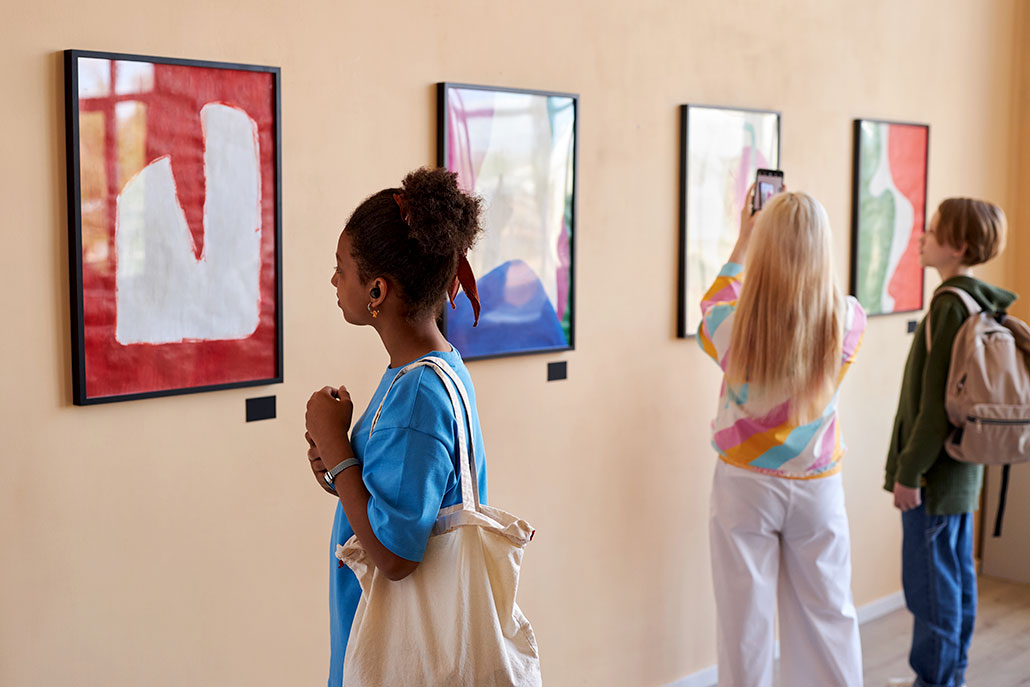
(517, 150)
(721, 149)
(888, 215)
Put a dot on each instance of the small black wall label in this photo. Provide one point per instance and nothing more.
(262, 408)
(556, 371)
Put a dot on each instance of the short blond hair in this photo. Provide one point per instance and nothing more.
(788, 330)
(976, 224)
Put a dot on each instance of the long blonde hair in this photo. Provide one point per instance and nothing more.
(788, 329)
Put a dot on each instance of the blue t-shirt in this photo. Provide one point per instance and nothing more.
(410, 466)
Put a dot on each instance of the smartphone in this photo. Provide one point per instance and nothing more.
(768, 182)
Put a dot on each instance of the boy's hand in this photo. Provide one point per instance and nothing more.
(906, 498)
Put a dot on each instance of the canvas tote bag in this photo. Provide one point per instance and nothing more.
(454, 621)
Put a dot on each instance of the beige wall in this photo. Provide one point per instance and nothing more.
(1019, 165)
(166, 542)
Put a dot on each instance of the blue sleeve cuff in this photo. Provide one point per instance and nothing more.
(731, 269)
(407, 473)
(386, 538)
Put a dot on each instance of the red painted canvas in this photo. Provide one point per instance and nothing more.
(174, 208)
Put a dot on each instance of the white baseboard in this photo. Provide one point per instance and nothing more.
(702, 678)
(881, 607)
(709, 677)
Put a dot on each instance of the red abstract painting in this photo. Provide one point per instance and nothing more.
(174, 218)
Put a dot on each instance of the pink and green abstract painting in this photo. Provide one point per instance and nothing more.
(889, 215)
(515, 149)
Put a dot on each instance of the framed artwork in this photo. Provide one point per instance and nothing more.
(174, 208)
(720, 150)
(888, 215)
(517, 150)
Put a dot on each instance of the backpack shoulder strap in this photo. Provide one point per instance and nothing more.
(967, 299)
(972, 307)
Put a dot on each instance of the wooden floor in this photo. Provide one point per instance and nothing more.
(999, 656)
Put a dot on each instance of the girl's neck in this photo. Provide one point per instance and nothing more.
(406, 341)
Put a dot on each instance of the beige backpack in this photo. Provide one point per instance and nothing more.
(988, 393)
(987, 397)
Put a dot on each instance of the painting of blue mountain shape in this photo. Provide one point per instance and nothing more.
(516, 315)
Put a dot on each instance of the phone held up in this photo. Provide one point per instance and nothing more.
(768, 182)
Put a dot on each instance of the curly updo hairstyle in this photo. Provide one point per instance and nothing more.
(420, 256)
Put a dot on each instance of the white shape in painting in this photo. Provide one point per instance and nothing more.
(165, 294)
(94, 77)
(133, 77)
(904, 215)
(523, 179)
(715, 190)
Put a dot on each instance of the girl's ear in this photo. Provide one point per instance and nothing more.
(377, 293)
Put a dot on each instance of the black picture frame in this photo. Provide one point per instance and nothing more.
(443, 141)
(684, 302)
(854, 286)
(83, 392)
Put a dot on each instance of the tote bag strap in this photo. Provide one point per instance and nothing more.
(470, 474)
(466, 432)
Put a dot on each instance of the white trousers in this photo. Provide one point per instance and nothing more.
(769, 534)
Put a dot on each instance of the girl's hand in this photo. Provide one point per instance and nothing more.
(317, 466)
(747, 225)
(747, 213)
(906, 498)
(327, 421)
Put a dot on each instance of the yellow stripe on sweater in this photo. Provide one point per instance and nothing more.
(757, 444)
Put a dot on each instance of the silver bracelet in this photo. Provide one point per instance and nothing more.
(330, 475)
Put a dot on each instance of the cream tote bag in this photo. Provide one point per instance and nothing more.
(454, 621)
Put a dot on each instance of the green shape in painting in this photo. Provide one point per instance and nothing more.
(875, 220)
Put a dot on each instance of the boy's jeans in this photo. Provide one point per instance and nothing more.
(939, 579)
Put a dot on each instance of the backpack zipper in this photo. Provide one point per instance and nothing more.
(992, 421)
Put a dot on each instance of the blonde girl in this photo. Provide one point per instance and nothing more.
(784, 336)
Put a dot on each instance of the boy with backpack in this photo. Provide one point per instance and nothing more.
(937, 494)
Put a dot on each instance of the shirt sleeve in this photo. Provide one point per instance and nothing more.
(407, 473)
(931, 424)
(717, 305)
(854, 333)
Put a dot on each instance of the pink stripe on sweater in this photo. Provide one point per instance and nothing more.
(854, 335)
(724, 363)
(746, 427)
(826, 450)
(724, 295)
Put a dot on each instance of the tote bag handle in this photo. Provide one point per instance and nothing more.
(466, 431)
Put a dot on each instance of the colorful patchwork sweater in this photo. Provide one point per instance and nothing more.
(765, 438)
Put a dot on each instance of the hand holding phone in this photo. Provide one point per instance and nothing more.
(768, 182)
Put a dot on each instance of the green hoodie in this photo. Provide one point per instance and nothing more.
(916, 456)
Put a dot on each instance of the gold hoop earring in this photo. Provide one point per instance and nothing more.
(373, 313)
